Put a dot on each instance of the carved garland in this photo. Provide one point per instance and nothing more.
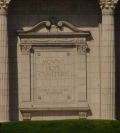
(82, 49)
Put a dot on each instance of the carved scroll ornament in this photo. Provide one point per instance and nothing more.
(35, 37)
(59, 26)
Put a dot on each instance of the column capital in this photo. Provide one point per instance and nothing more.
(108, 6)
(4, 6)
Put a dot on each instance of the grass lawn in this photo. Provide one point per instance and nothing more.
(65, 126)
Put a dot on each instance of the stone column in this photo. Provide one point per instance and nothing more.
(107, 53)
(4, 75)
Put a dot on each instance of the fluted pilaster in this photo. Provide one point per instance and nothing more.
(107, 51)
(4, 74)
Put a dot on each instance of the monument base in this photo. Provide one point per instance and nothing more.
(60, 113)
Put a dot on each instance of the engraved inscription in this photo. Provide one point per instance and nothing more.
(53, 69)
(54, 77)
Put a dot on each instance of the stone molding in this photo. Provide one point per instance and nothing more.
(53, 40)
(34, 37)
(27, 49)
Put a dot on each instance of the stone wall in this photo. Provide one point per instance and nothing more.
(83, 14)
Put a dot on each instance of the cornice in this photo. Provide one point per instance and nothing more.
(54, 29)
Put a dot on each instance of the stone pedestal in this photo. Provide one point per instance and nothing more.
(4, 75)
(107, 51)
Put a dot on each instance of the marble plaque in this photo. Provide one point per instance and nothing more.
(54, 72)
(59, 77)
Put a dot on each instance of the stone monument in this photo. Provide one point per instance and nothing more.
(57, 60)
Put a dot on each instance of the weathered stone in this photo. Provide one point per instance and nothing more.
(57, 69)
